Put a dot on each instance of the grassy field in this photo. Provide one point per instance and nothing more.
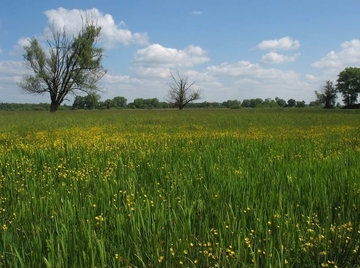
(196, 188)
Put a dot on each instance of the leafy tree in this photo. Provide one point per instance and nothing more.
(232, 104)
(291, 103)
(91, 100)
(181, 91)
(348, 84)
(314, 103)
(300, 104)
(120, 102)
(327, 96)
(164, 105)
(246, 103)
(139, 103)
(255, 102)
(154, 103)
(269, 103)
(280, 102)
(79, 102)
(69, 65)
(108, 103)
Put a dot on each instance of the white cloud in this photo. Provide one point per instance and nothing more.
(311, 77)
(249, 80)
(19, 47)
(156, 60)
(155, 72)
(196, 12)
(249, 70)
(132, 87)
(349, 55)
(120, 79)
(285, 43)
(238, 69)
(111, 33)
(273, 57)
(204, 80)
(1, 51)
(10, 73)
(11, 69)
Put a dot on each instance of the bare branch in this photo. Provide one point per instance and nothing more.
(181, 91)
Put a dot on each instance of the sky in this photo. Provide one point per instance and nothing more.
(231, 49)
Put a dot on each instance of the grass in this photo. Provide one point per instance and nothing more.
(207, 188)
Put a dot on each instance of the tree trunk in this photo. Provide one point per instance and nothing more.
(54, 106)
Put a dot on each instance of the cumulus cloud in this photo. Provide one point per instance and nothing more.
(19, 47)
(311, 77)
(285, 43)
(10, 73)
(273, 57)
(132, 87)
(11, 69)
(111, 33)
(240, 68)
(252, 80)
(249, 70)
(155, 72)
(156, 60)
(349, 55)
(120, 79)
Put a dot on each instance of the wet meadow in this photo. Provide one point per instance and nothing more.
(191, 188)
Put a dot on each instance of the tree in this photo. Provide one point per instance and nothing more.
(79, 102)
(348, 84)
(120, 101)
(108, 103)
(91, 100)
(139, 103)
(181, 91)
(300, 104)
(246, 103)
(327, 96)
(232, 104)
(314, 103)
(269, 103)
(280, 102)
(291, 103)
(255, 102)
(70, 65)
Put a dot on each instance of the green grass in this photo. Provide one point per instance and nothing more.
(196, 188)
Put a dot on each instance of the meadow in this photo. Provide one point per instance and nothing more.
(192, 188)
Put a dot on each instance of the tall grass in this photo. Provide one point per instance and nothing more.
(180, 189)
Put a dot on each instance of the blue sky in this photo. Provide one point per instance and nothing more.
(232, 49)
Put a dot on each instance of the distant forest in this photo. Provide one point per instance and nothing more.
(93, 102)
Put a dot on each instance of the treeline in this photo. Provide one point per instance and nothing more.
(6, 106)
(93, 102)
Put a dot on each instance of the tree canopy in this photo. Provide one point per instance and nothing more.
(348, 84)
(68, 66)
(327, 96)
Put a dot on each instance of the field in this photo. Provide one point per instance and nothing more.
(192, 188)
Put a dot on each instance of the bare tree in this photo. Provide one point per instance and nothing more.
(70, 66)
(181, 91)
